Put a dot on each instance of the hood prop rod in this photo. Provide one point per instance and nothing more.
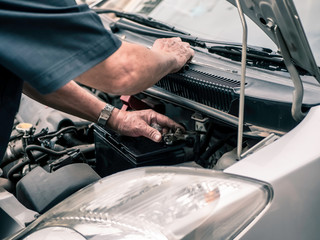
(243, 79)
(296, 109)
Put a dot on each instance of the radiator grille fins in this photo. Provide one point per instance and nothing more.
(207, 89)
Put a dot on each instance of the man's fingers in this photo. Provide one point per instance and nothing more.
(152, 134)
(178, 39)
(179, 50)
(164, 121)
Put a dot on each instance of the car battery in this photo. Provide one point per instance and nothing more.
(116, 152)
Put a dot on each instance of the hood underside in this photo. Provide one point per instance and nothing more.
(282, 16)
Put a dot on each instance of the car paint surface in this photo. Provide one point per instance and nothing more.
(291, 165)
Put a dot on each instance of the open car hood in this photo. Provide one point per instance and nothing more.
(279, 19)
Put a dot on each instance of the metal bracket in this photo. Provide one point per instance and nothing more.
(200, 122)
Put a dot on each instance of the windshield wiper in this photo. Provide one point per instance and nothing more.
(152, 27)
(156, 28)
(125, 25)
(256, 56)
(144, 20)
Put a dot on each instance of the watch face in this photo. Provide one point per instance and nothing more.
(105, 115)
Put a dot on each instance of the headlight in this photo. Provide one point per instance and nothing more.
(55, 233)
(160, 203)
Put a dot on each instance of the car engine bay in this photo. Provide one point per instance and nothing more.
(44, 141)
(51, 154)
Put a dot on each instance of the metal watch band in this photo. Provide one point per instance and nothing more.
(105, 115)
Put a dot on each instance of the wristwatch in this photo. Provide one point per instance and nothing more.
(105, 115)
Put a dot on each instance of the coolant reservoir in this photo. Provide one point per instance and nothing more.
(25, 128)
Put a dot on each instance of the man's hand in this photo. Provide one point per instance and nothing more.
(138, 123)
(181, 51)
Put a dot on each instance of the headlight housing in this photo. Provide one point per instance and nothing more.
(55, 233)
(160, 203)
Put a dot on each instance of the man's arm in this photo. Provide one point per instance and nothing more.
(131, 69)
(134, 68)
(75, 100)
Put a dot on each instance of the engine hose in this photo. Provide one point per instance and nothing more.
(211, 150)
(7, 161)
(85, 148)
(206, 140)
(51, 135)
(71, 140)
(31, 148)
(13, 153)
(17, 168)
(14, 137)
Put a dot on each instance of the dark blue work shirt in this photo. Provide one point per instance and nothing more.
(46, 43)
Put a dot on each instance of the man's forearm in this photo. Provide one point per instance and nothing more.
(133, 68)
(70, 98)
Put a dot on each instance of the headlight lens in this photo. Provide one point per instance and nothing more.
(160, 203)
(55, 233)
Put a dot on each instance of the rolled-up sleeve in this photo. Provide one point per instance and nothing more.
(47, 43)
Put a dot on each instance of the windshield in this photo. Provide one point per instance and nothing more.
(218, 19)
